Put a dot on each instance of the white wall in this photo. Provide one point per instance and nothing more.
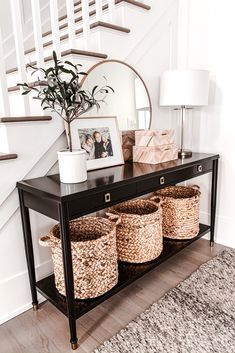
(206, 41)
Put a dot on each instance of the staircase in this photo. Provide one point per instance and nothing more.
(82, 31)
(71, 30)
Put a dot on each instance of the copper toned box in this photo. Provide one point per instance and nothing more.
(128, 141)
(155, 155)
(154, 138)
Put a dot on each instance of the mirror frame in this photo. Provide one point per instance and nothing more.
(130, 67)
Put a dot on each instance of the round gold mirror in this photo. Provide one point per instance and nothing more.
(130, 102)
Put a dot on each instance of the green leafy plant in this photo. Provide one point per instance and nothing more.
(61, 91)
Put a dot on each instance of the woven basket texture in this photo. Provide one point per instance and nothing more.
(139, 233)
(94, 256)
(180, 205)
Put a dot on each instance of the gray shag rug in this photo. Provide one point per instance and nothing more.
(197, 316)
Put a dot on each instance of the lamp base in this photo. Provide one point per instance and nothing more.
(184, 154)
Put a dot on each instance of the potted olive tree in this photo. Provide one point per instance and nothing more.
(61, 92)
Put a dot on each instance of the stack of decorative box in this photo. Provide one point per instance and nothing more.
(154, 146)
(128, 141)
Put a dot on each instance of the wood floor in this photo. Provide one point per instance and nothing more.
(46, 331)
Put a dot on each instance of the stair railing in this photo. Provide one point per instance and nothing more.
(111, 4)
(54, 14)
(98, 9)
(37, 31)
(71, 23)
(86, 24)
(16, 12)
(4, 98)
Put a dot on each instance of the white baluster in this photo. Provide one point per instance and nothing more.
(71, 23)
(86, 23)
(4, 98)
(55, 27)
(111, 4)
(98, 9)
(19, 46)
(37, 31)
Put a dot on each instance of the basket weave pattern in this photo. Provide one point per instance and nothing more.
(139, 233)
(180, 205)
(94, 256)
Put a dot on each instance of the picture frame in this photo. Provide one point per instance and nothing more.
(101, 139)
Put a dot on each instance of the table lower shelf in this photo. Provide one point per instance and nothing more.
(128, 273)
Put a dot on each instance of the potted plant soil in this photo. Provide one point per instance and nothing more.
(61, 92)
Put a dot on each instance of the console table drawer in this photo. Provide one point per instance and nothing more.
(101, 200)
(152, 183)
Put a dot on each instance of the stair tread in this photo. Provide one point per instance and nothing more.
(64, 53)
(7, 156)
(91, 3)
(79, 3)
(17, 119)
(111, 26)
(136, 3)
(93, 12)
(93, 25)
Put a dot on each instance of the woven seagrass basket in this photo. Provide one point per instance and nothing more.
(180, 211)
(139, 232)
(94, 256)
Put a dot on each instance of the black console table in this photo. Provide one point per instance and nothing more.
(104, 188)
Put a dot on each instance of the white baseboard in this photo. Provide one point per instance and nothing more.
(15, 295)
(20, 310)
(224, 229)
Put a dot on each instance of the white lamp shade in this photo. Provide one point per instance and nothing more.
(184, 88)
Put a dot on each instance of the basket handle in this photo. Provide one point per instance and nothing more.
(196, 187)
(157, 199)
(45, 241)
(113, 218)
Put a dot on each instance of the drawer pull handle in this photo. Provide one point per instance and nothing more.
(107, 197)
(199, 168)
(162, 180)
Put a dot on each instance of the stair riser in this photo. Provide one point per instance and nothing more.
(30, 141)
(4, 145)
(48, 162)
(85, 61)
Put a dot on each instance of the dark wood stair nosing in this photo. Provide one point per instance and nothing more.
(79, 31)
(91, 3)
(8, 156)
(91, 13)
(20, 119)
(78, 19)
(110, 26)
(135, 3)
(64, 53)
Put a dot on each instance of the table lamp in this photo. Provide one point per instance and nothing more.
(184, 89)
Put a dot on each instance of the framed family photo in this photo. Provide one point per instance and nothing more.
(100, 138)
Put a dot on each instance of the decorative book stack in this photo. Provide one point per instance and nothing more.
(154, 146)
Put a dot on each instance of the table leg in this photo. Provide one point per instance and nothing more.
(213, 200)
(28, 249)
(68, 272)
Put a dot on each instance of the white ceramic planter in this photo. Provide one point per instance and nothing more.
(72, 166)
